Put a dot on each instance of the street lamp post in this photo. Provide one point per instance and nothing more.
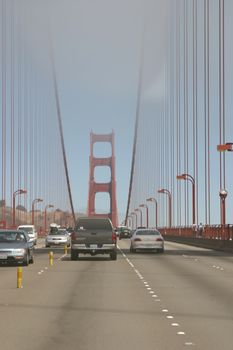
(18, 192)
(190, 178)
(139, 211)
(54, 214)
(228, 146)
(147, 213)
(223, 196)
(130, 221)
(136, 221)
(45, 215)
(168, 193)
(37, 200)
(156, 209)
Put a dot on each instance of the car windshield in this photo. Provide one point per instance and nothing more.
(147, 233)
(9, 237)
(61, 232)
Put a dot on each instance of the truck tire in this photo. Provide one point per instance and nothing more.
(31, 261)
(132, 250)
(161, 250)
(113, 256)
(73, 255)
(26, 260)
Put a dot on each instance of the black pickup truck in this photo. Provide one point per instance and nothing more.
(93, 236)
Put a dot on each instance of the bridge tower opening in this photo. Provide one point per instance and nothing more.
(108, 187)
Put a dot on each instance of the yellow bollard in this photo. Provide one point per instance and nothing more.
(66, 249)
(19, 277)
(51, 258)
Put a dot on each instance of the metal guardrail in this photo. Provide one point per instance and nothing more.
(207, 232)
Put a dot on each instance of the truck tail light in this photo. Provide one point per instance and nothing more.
(114, 237)
(73, 236)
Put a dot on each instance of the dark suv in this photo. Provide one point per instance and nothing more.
(93, 236)
(123, 232)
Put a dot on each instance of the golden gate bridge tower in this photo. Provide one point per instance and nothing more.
(109, 187)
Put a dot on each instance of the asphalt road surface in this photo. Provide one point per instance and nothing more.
(181, 299)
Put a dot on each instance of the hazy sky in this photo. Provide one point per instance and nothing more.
(97, 46)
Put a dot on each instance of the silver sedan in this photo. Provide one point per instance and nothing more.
(16, 246)
(147, 239)
(60, 237)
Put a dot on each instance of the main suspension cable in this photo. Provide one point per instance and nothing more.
(61, 130)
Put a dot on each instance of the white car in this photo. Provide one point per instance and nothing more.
(58, 237)
(147, 239)
(31, 231)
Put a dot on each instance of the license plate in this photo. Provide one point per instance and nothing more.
(3, 256)
(93, 246)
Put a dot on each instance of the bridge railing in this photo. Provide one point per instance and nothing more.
(221, 232)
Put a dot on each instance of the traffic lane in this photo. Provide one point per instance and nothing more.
(8, 272)
(196, 296)
(89, 303)
(114, 311)
(215, 259)
(40, 243)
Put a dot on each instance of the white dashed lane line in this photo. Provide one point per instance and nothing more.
(196, 260)
(156, 298)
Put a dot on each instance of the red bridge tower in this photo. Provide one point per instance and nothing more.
(109, 187)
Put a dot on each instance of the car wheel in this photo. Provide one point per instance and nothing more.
(113, 256)
(132, 250)
(47, 245)
(74, 255)
(161, 250)
(26, 260)
(31, 261)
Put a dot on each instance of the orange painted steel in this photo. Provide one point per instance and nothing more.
(221, 232)
(109, 187)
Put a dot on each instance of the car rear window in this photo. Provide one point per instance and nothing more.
(89, 224)
(147, 233)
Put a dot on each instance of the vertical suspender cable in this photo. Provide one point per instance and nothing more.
(12, 99)
(187, 104)
(223, 83)
(19, 121)
(178, 101)
(220, 91)
(208, 106)
(195, 122)
(205, 107)
(3, 110)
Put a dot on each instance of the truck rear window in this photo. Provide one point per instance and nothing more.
(90, 224)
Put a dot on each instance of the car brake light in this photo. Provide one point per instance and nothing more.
(73, 236)
(114, 237)
(159, 239)
(137, 239)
